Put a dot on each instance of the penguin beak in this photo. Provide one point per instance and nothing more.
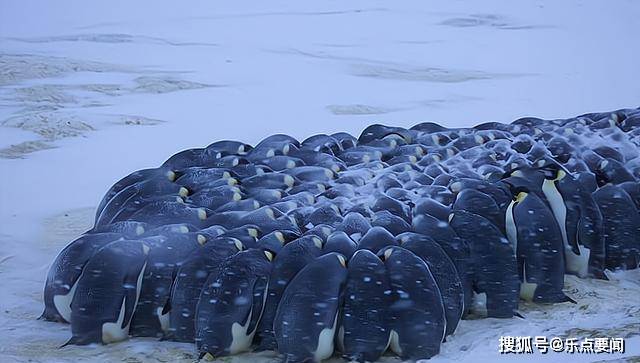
(450, 217)
(342, 260)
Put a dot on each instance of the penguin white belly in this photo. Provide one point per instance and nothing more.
(527, 289)
(578, 264)
(114, 332)
(558, 208)
(510, 226)
(241, 341)
(63, 302)
(118, 331)
(394, 343)
(241, 338)
(164, 319)
(479, 305)
(325, 342)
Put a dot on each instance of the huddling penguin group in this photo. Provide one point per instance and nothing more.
(382, 242)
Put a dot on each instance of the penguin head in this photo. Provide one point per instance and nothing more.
(551, 169)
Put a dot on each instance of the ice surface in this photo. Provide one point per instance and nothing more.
(92, 91)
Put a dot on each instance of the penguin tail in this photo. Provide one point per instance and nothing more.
(568, 299)
(517, 314)
(72, 341)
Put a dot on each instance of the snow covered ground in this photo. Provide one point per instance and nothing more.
(92, 91)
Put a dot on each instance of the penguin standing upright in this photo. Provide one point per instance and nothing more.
(307, 315)
(495, 272)
(535, 236)
(443, 271)
(291, 259)
(107, 293)
(621, 227)
(458, 249)
(231, 304)
(167, 253)
(579, 220)
(418, 317)
(363, 335)
(189, 280)
(65, 271)
(576, 258)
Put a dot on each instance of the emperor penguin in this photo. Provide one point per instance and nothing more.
(567, 215)
(535, 236)
(307, 316)
(294, 256)
(418, 317)
(363, 333)
(62, 278)
(167, 252)
(189, 280)
(107, 293)
(231, 304)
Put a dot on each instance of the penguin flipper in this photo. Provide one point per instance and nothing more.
(132, 286)
(259, 297)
